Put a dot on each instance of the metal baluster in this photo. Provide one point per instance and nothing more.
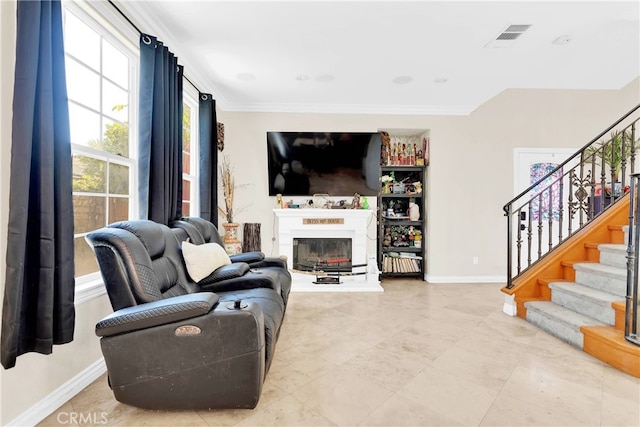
(632, 158)
(550, 193)
(631, 311)
(572, 173)
(529, 234)
(603, 183)
(539, 226)
(560, 208)
(519, 241)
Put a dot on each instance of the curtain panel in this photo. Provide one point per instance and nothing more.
(38, 307)
(160, 132)
(208, 154)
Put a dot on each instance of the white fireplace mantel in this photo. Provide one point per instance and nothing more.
(329, 223)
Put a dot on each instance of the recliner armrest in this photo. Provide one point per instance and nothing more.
(247, 257)
(156, 313)
(226, 272)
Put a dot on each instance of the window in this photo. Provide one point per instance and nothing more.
(101, 76)
(189, 155)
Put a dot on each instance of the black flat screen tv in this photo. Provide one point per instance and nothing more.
(339, 164)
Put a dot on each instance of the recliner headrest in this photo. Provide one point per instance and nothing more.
(150, 234)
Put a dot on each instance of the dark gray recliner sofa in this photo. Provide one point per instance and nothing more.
(172, 343)
(201, 231)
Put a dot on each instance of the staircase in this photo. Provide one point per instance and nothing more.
(578, 295)
(568, 242)
(582, 310)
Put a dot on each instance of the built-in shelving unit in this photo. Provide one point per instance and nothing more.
(401, 206)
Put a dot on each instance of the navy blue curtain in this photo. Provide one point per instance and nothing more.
(208, 154)
(38, 309)
(160, 143)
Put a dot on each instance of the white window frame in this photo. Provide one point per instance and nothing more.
(102, 22)
(190, 97)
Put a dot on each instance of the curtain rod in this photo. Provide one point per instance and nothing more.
(141, 33)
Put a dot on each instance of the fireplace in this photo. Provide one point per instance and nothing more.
(322, 254)
(334, 240)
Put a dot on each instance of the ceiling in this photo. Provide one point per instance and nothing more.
(392, 57)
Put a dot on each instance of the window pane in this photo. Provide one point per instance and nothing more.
(81, 41)
(115, 65)
(118, 179)
(83, 85)
(114, 101)
(84, 257)
(116, 138)
(186, 209)
(89, 175)
(186, 127)
(186, 163)
(186, 190)
(85, 126)
(118, 209)
(88, 213)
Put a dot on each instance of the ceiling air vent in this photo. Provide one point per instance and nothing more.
(508, 37)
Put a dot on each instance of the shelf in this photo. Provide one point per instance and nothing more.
(398, 274)
(388, 221)
(399, 195)
(402, 168)
(401, 249)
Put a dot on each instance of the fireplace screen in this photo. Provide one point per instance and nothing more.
(322, 254)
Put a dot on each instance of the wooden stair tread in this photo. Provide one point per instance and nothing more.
(608, 344)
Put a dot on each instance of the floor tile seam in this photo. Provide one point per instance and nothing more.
(309, 408)
(427, 406)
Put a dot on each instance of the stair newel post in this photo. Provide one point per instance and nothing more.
(631, 312)
(508, 212)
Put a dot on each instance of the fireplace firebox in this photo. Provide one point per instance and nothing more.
(322, 254)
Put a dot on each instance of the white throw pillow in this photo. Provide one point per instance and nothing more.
(202, 260)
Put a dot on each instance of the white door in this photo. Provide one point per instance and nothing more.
(539, 222)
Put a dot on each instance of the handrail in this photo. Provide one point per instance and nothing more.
(585, 147)
(584, 185)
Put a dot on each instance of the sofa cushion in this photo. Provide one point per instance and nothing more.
(202, 260)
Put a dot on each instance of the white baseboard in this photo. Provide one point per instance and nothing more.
(60, 396)
(465, 279)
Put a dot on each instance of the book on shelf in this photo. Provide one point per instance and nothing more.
(401, 264)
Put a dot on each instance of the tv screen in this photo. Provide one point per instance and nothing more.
(333, 163)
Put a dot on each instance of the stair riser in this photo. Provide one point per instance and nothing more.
(568, 333)
(603, 283)
(614, 259)
(599, 310)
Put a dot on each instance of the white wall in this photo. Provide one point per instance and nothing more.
(470, 176)
(35, 376)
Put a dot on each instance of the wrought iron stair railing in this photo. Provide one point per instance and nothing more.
(571, 195)
(632, 316)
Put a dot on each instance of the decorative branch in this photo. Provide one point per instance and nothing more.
(228, 189)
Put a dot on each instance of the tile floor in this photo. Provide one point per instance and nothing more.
(416, 355)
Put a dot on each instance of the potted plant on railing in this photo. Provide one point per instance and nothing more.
(613, 153)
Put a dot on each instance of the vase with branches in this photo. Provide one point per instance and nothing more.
(231, 241)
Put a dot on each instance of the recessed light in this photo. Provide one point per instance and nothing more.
(562, 40)
(440, 80)
(403, 80)
(302, 77)
(325, 78)
(245, 77)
